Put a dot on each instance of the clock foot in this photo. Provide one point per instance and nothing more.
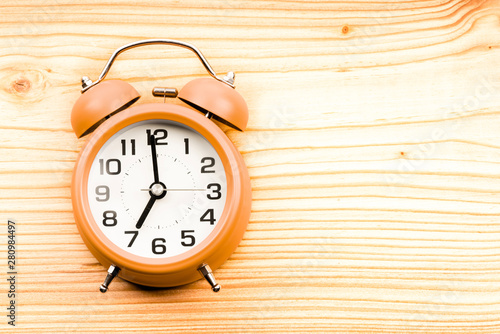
(112, 272)
(206, 272)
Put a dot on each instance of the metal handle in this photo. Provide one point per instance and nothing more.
(87, 83)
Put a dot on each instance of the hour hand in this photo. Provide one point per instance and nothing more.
(145, 213)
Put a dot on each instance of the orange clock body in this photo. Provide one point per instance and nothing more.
(220, 243)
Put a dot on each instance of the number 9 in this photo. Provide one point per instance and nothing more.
(102, 191)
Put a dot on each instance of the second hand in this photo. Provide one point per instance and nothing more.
(168, 189)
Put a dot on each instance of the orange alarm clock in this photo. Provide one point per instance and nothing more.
(160, 194)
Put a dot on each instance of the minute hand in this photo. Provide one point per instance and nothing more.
(152, 140)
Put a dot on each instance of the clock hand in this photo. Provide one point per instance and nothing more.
(152, 141)
(183, 189)
(157, 183)
(145, 213)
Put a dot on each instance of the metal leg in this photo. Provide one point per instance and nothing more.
(112, 272)
(206, 272)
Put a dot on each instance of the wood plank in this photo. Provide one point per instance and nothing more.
(373, 150)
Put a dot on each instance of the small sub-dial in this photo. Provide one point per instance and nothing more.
(176, 193)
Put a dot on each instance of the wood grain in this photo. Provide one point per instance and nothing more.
(373, 148)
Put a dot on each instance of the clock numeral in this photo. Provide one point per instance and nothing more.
(135, 233)
(102, 191)
(160, 136)
(109, 218)
(210, 218)
(210, 163)
(113, 166)
(216, 194)
(124, 146)
(158, 246)
(186, 145)
(191, 240)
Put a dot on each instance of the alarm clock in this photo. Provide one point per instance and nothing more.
(161, 196)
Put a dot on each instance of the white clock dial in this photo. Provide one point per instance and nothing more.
(157, 219)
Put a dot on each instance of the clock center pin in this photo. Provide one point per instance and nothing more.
(159, 190)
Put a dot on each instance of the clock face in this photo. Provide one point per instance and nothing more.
(157, 212)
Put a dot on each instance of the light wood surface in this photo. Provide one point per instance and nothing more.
(373, 148)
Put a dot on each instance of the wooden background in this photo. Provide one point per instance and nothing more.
(373, 148)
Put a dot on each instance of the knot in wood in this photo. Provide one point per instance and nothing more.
(21, 85)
